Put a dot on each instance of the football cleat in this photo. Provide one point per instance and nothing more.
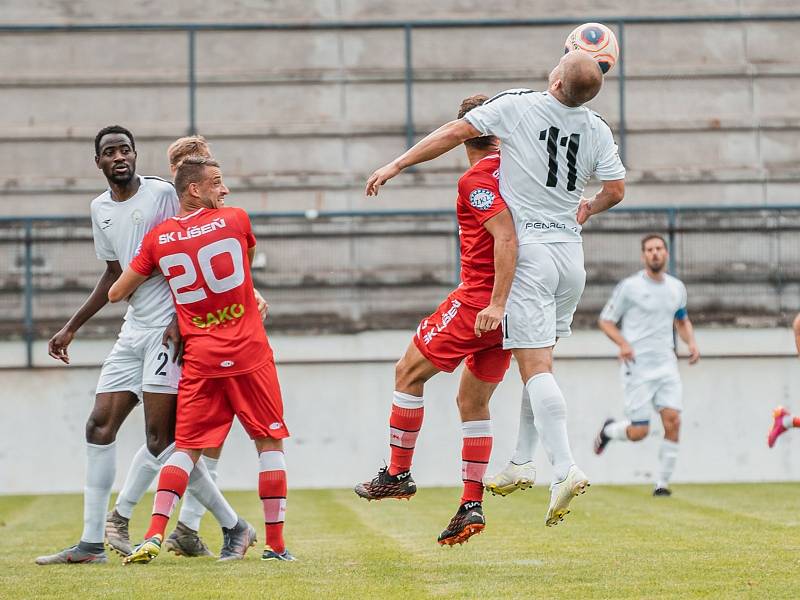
(73, 556)
(601, 441)
(270, 554)
(186, 542)
(387, 486)
(662, 491)
(562, 493)
(777, 425)
(468, 521)
(513, 477)
(144, 552)
(117, 536)
(236, 541)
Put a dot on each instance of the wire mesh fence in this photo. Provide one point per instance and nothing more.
(345, 272)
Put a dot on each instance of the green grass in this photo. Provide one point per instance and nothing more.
(707, 541)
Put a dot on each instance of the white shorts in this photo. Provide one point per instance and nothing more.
(547, 286)
(643, 396)
(138, 363)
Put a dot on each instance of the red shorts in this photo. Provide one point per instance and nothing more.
(206, 407)
(448, 336)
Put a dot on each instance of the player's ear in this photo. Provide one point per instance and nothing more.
(97, 160)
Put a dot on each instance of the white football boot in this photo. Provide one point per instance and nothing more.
(512, 478)
(562, 493)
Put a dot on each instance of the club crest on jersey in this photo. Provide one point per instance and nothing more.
(481, 199)
(137, 217)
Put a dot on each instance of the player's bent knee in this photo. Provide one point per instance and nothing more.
(638, 433)
(100, 431)
(158, 440)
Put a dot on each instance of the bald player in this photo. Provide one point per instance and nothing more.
(551, 146)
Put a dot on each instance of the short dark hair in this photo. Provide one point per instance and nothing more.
(484, 142)
(654, 236)
(112, 129)
(190, 170)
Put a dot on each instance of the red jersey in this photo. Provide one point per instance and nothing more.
(204, 259)
(478, 201)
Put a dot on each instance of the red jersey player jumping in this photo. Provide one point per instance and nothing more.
(465, 326)
(228, 366)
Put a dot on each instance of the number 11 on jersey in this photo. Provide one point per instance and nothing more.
(550, 137)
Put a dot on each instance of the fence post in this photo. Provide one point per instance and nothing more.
(409, 89)
(621, 71)
(192, 84)
(29, 333)
(673, 249)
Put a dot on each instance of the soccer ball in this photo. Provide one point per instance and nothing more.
(596, 39)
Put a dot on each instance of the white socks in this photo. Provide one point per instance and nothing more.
(528, 436)
(550, 413)
(142, 472)
(208, 494)
(667, 457)
(192, 510)
(618, 430)
(101, 469)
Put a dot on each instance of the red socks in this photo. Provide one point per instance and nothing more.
(404, 425)
(172, 484)
(475, 453)
(272, 490)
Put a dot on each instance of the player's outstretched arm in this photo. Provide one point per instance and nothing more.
(615, 335)
(126, 285)
(686, 332)
(609, 196)
(57, 346)
(501, 227)
(447, 137)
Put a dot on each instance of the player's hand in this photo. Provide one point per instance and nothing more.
(489, 319)
(626, 353)
(694, 354)
(381, 176)
(57, 346)
(262, 305)
(172, 334)
(584, 210)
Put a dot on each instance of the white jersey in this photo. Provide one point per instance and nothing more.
(647, 309)
(118, 229)
(549, 151)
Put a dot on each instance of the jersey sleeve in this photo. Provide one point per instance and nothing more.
(102, 245)
(479, 192)
(247, 227)
(500, 115)
(608, 166)
(144, 262)
(682, 313)
(616, 306)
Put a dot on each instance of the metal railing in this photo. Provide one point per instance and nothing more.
(408, 27)
(351, 271)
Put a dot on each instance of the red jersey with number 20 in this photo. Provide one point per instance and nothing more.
(204, 259)
(478, 201)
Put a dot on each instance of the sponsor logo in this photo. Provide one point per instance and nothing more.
(481, 199)
(222, 315)
(191, 232)
(226, 363)
(496, 174)
(547, 226)
(447, 316)
(274, 426)
(137, 217)
(105, 224)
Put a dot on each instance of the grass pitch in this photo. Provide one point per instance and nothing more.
(707, 541)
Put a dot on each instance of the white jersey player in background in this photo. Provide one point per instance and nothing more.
(648, 303)
(139, 365)
(550, 147)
